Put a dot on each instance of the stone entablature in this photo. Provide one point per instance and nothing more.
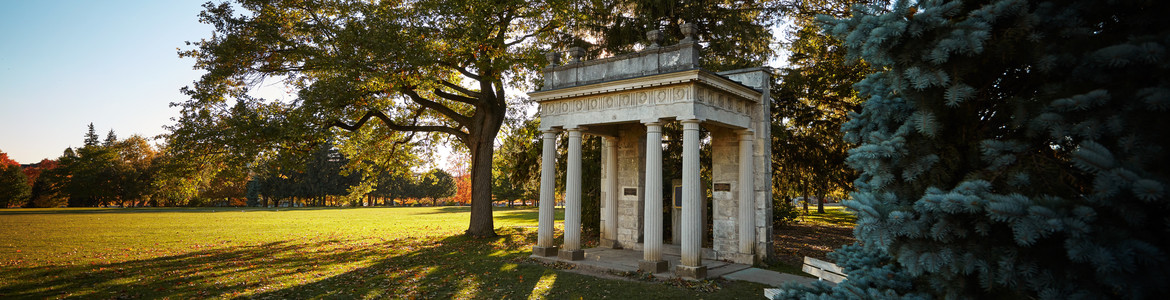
(691, 94)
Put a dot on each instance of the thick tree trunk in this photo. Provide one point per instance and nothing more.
(482, 224)
(481, 144)
(821, 203)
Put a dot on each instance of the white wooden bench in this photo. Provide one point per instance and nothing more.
(823, 270)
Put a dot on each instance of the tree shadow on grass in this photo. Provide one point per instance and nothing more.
(440, 267)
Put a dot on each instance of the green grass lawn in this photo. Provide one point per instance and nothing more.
(836, 216)
(295, 253)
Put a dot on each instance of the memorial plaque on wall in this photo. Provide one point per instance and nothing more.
(630, 191)
(722, 187)
(678, 196)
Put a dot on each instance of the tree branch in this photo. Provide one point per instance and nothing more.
(374, 113)
(458, 88)
(461, 70)
(521, 39)
(440, 108)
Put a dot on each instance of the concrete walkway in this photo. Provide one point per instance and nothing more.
(604, 260)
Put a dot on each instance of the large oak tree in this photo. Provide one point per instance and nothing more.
(438, 68)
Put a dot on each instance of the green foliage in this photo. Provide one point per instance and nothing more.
(113, 173)
(783, 211)
(737, 33)
(1008, 149)
(14, 188)
(516, 169)
(436, 184)
(809, 105)
(311, 179)
(435, 71)
(590, 178)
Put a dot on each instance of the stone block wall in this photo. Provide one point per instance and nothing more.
(725, 180)
(631, 174)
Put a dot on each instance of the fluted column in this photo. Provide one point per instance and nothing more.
(544, 231)
(609, 189)
(692, 223)
(572, 248)
(652, 236)
(747, 220)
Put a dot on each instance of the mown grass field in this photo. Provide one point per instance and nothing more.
(296, 253)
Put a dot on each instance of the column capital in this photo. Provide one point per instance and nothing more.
(746, 134)
(652, 121)
(653, 126)
(550, 133)
(574, 132)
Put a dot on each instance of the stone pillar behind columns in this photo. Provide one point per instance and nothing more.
(544, 232)
(747, 220)
(692, 227)
(609, 192)
(572, 248)
(652, 243)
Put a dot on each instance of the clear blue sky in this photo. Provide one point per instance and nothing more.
(66, 63)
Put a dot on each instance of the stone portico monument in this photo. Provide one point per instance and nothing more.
(626, 100)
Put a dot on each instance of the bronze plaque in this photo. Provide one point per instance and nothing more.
(722, 187)
(630, 191)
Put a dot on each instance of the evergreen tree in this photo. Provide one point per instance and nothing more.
(809, 106)
(111, 139)
(1008, 149)
(252, 193)
(91, 137)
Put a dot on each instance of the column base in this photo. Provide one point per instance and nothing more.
(699, 272)
(544, 251)
(652, 266)
(571, 254)
(612, 244)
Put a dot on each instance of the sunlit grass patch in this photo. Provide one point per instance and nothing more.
(288, 253)
(837, 216)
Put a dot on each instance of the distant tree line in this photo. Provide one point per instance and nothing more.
(133, 173)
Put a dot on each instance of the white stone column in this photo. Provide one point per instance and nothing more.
(572, 248)
(609, 191)
(652, 235)
(544, 231)
(692, 222)
(747, 220)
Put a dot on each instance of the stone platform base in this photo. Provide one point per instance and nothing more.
(699, 272)
(544, 251)
(571, 254)
(652, 266)
(612, 244)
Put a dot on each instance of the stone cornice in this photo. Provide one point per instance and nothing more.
(693, 75)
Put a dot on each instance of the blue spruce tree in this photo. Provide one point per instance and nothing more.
(1009, 149)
